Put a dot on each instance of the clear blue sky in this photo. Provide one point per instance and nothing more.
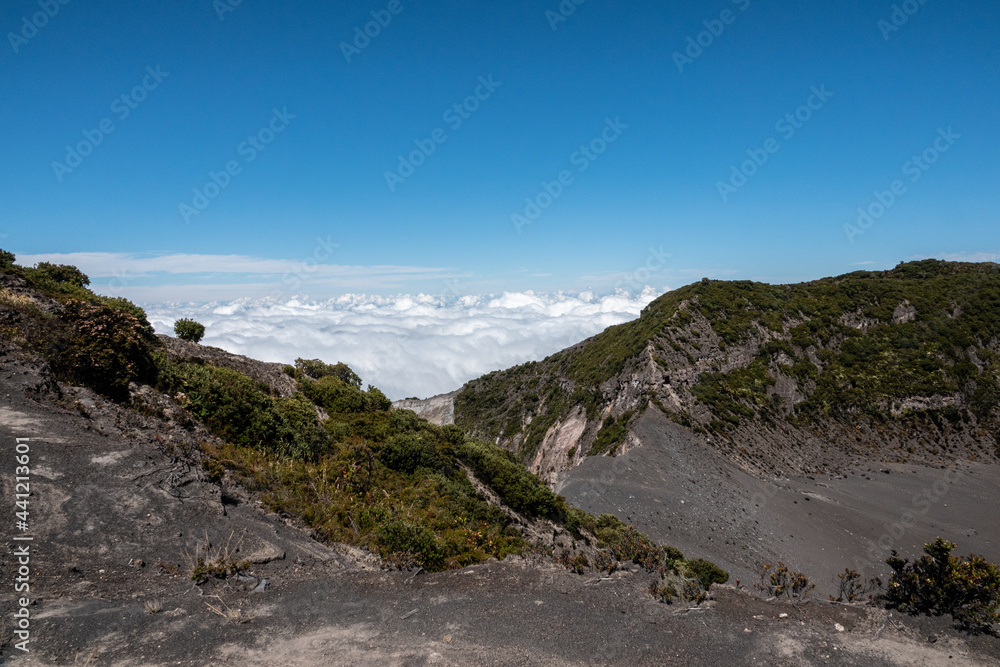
(656, 185)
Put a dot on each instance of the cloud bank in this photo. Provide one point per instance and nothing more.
(407, 345)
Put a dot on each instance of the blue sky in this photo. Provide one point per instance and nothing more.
(646, 210)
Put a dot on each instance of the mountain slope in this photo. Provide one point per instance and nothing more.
(305, 441)
(897, 365)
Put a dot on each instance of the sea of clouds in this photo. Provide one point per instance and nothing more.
(407, 345)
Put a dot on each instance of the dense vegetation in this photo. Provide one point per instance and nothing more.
(100, 342)
(366, 475)
(856, 344)
(386, 479)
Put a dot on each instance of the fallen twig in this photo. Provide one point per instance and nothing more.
(681, 611)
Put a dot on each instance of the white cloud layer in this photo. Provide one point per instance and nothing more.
(407, 345)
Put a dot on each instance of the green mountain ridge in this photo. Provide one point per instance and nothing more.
(770, 373)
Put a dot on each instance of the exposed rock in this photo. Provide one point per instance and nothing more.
(438, 409)
(270, 373)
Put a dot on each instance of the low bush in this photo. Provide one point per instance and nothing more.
(103, 348)
(241, 411)
(939, 583)
(520, 489)
(778, 580)
(317, 369)
(59, 274)
(408, 452)
(338, 397)
(707, 572)
(852, 588)
(404, 543)
(612, 434)
(123, 305)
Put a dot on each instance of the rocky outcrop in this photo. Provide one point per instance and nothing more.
(270, 373)
(438, 409)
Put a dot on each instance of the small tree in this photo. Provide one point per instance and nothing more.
(938, 583)
(189, 330)
(6, 260)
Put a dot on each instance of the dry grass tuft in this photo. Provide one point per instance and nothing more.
(15, 300)
(228, 613)
(211, 562)
(90, 659)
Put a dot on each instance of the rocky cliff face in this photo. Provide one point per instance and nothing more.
(438, 409)
(900, 365)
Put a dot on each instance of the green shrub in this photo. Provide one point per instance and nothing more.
(336, 396)
(317, 370)
(104, 349)
(6, 260)
(520, 489)
(404, 543)
(707, 572)
(939, 583)
(577, 521)
(124, 305)
(216, 471)
(407, 452)
(376, 401)
(189, 330)
(612, 433)
(61, 273)
(242, 412)
(302, 435)
(665, 593)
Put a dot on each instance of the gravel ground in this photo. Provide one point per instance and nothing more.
(683, 493)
